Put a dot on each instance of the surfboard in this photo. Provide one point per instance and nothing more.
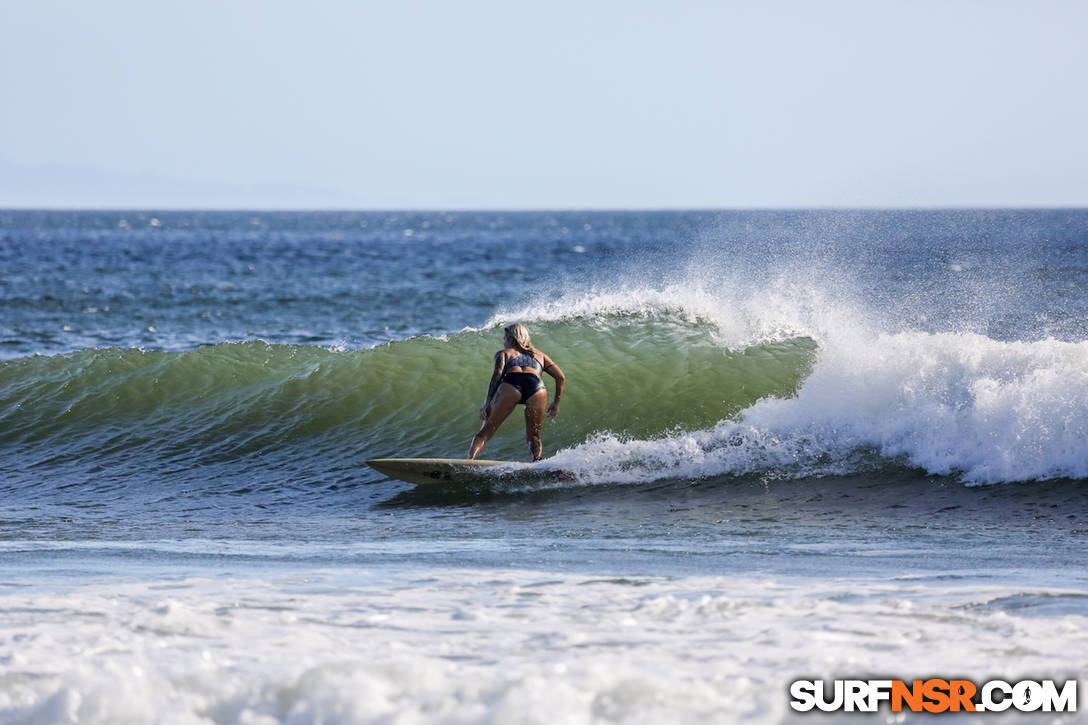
(422, 471)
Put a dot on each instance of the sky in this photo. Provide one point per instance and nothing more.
(558, 104)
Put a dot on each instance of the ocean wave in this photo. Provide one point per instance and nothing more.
(737, 314)
(109, 410)
(667, 385)
(949, 404)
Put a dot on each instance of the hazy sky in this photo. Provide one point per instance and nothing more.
(517, 104)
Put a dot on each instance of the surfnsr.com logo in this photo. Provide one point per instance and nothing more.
(934, 695)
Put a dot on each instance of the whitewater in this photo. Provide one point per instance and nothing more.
(799, 444)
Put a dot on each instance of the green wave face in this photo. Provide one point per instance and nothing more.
(633, 376)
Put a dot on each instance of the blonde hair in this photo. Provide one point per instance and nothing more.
(519, 335)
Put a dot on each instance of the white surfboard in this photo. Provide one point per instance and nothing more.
(460, 470)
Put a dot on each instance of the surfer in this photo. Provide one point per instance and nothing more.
(516, 379)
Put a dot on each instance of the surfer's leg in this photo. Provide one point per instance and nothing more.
(534, 420)
(506, 397)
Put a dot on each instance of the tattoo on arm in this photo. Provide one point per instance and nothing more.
(495, 375)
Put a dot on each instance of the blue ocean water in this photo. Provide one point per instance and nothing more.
(775, 423)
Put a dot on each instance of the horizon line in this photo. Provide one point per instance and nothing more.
(541, 209)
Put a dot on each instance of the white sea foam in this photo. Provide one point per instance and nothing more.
(949, 403)
(513, 647)
(962, 404)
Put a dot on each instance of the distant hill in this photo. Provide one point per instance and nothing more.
(78, 187)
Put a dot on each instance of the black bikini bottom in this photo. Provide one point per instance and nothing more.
(526, 383)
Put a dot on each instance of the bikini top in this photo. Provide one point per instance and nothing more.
(524, 360)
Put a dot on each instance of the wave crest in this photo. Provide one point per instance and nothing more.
(738, 318)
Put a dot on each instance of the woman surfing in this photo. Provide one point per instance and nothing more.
(516, 380)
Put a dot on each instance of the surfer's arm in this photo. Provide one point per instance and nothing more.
(552, 369)
(496, 375)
